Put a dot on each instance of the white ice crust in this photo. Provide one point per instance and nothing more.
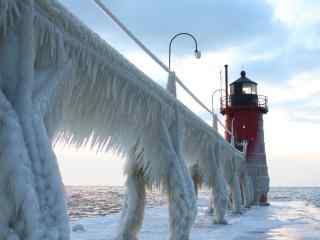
(282, 220)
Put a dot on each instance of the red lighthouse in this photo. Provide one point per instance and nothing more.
(244, 110)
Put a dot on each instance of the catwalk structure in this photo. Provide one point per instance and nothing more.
(60, 82)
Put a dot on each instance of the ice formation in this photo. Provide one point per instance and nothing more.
(220, 167)
(282, 220)
(61, 82)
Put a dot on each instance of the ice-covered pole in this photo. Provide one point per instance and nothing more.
(226, 84)
(157, 60)
(136, 40)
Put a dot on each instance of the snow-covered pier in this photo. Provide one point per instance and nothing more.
(280, 221)
(59, 81)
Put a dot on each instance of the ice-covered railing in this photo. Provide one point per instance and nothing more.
(59, 80)
(108, 81)
(231, 168)
(158, 61)
(109, 92)
(75, 34)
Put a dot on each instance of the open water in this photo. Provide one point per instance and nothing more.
(85, 201)
(101, 201)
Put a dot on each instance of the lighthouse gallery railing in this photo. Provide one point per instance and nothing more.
(261, 103)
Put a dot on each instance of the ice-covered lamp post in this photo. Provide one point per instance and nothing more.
(214, 115)
(171, 85)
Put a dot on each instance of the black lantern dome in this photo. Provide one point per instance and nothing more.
(243, 92)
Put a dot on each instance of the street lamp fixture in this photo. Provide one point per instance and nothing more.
(197, 52)
(171, 84)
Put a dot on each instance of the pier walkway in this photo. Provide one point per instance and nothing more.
(280, 221)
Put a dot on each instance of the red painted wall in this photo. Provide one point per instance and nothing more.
(245, 124)
(248, 125)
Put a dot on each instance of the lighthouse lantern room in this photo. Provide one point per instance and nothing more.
(244, 110)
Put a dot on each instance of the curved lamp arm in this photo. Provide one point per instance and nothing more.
(197, 53)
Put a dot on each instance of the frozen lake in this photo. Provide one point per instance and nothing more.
(291, 220)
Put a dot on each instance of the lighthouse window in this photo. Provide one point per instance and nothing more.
(246, 89)
(249, 89)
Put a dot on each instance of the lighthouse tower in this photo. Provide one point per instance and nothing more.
(244, 110)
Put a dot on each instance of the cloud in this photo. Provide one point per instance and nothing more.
(296, 13)
(273, 40)
(298, 100)
(285, 64)
(294, 52)
(216, 24)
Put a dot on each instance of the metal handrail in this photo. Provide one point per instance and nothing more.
(144, 48)
(157, 60)
(262, 102)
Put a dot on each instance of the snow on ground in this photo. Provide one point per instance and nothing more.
(280, 221)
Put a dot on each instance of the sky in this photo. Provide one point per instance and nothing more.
(275, 41)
